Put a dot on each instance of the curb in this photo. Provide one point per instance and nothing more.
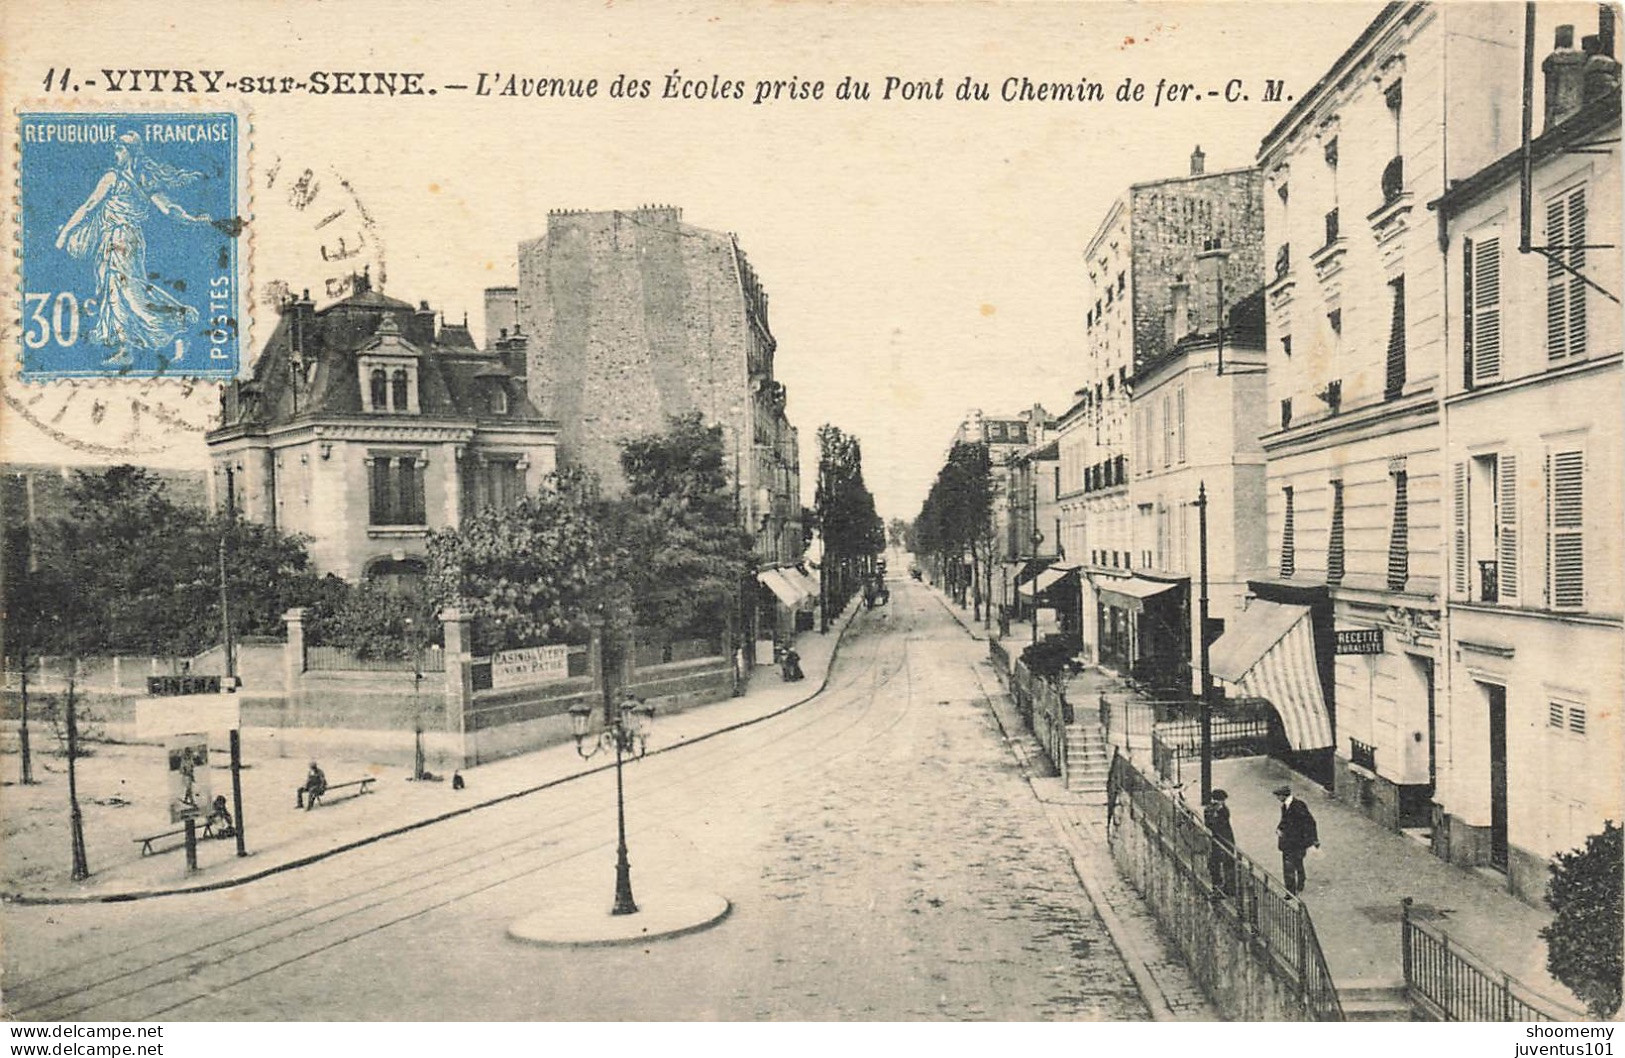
(1078, 854)
(47, 900)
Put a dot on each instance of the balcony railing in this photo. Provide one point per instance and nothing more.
(1393, 179)
(1489, 582)
(1363, 755)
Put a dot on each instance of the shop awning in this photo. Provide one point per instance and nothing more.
(1027, 570)
(776, 582)
(1131, 593)
(1046, 580)
(1269, 653)
(807, 582)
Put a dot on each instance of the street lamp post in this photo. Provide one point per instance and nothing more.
(1207, 673)
(627, 731)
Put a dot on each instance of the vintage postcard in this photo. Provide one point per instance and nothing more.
(850, 512)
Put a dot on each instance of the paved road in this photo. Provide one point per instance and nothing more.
(884, 856)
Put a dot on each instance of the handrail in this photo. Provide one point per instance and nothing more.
(1279, 925)
(1454, 983)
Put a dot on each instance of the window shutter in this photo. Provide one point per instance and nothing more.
(379, 511)
(1565, 291)
(1577, 261)
(1567, 542)
(1394, 382)
(1506, 533)
(1167, 430)
(1399, 547)
(1486, 312)
(1334, 547)
(1557, 288)
(1289, 562)
(1467, 313)
(1458, 532)
(1180, 396)
(1554, 715)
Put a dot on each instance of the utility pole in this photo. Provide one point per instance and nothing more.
(27, 776)
(236, 732)
(1207, 674)
(76, 821)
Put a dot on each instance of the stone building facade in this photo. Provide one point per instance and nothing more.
(1144, 295)
(369, 423)
(633, 316)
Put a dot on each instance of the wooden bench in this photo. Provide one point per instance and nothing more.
(315, 799)
(206, 826)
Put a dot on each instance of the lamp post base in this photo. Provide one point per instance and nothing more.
(586, 924)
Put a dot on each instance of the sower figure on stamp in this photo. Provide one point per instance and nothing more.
(315, 786)
(132, 312)
(1295, 835)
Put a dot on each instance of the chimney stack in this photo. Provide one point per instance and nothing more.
(1600, 77)
(1198, 161)
(1564, 70)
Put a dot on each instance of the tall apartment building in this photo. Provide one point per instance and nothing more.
(1526, 755)
(1356, 341)
(1146, 296)
(634, 316)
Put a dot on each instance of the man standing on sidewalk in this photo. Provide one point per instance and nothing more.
(1295, 834)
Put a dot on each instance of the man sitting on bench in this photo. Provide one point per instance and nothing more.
(315, 786)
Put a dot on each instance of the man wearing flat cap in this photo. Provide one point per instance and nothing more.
(1294, 836)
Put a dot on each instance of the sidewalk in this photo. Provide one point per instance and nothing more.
(123, 797)
(1358, 876)
(1360, 873)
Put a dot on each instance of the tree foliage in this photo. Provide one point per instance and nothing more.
(128, 571)
(668, 555)
(1584, 941)
(852, 532)
(527, 574)
(685, 554)
(957, 516)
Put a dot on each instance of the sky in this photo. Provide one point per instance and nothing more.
(923, 257)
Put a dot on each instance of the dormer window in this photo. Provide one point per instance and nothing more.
(391, 384)
(499, 400)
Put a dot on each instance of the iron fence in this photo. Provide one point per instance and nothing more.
(338, 659)
(1200, 881)
(1453, 983)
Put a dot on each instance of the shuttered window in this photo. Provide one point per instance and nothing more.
(1289, 560)
(1334, 546)
(1179, 400)
(1482, 298)
(1394, 382)
(1459, 558)
(1399, 547)
(1565, 291)
(1167, 429)
(1506, 528)
(1566, 532)
(1555, 715)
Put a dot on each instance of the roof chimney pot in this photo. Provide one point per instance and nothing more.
(1198, 161)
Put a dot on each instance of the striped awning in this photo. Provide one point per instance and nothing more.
(789, 593)
(1130, 593)
(1046, 580)
(1269, 653)
(806, 581)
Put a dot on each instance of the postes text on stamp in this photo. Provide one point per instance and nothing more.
(132, 264)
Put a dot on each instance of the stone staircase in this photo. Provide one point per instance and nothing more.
(1375, 1001)
(1087, 760)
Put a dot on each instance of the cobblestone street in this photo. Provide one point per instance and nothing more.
(883, 850)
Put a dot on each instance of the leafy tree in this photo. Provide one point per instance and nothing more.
(129, 571)
(373, 621)
(678, 526)
(1584, 941)
(957, 519)
(528, 574)
(853, 533)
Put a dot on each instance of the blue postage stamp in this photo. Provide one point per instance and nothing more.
(131, 245)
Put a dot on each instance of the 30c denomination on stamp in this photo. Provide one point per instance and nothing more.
(131, 264)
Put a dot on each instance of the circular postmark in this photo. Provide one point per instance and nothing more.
(309, 231)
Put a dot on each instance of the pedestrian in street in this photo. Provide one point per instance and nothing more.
(315, 786)
(219, 819)
(1221, 862)
(1295, 836)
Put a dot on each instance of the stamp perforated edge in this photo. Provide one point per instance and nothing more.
(153, 395)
